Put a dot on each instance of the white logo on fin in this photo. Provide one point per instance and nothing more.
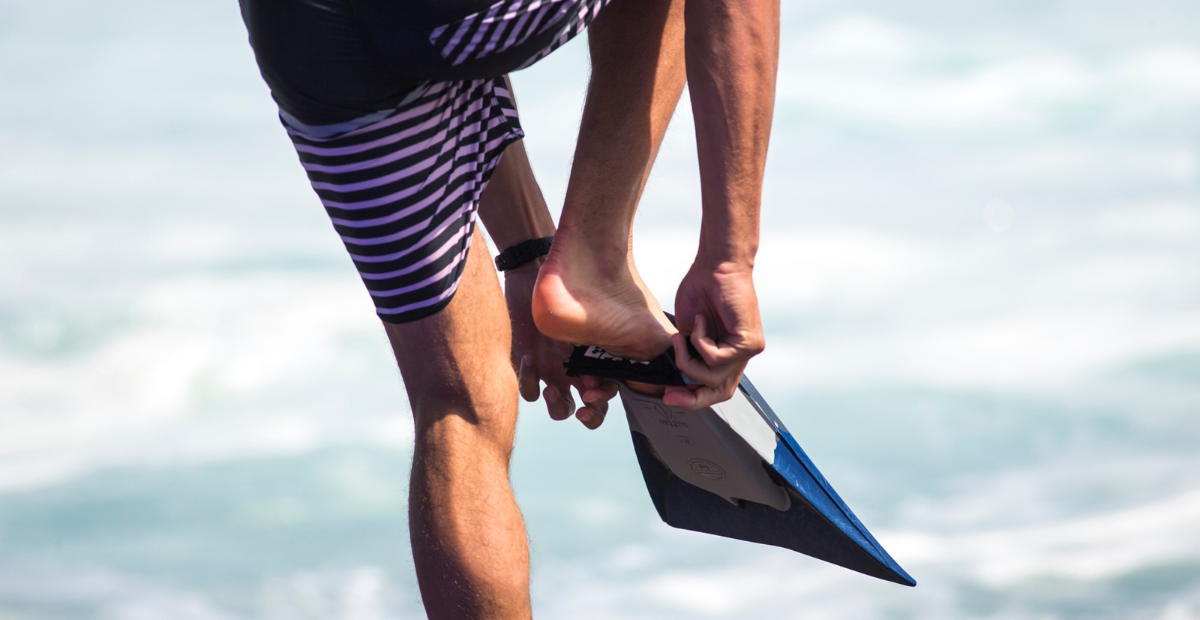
(598, 353)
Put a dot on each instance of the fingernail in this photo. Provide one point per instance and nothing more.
(526, 361)
(584, 415)
(551, 397)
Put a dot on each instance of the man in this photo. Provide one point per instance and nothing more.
(403, 119)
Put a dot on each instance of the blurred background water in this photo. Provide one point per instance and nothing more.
(979, 275)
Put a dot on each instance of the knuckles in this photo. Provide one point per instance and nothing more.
(754, 343)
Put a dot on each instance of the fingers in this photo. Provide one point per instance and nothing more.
(560, 405)
(598, 393)
(719, 352)
(719, 381)
(546, 366)
(707, 347)
(591, 418)
(696, 397)
(595, 393)
(696, 367)
(682, 396)
(527, 379)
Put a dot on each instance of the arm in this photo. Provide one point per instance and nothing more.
(513, 210)
(732, 50)
(512, 207)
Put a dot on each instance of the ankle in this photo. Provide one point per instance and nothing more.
(604, 251)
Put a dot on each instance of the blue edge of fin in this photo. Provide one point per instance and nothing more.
(819, 525)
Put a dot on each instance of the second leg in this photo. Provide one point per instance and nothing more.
(589, 291)
(468, 537)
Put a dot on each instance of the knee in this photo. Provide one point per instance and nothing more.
(481, 409)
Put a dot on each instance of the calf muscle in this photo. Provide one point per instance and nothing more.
(467, 533)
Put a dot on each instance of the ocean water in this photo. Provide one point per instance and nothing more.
(979, 276)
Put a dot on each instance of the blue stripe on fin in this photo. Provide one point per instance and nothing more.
(799, 471)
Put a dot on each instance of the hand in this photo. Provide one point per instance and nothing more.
(539, 358)
(717, 307)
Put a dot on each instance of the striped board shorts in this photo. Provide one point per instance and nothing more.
(399, 121)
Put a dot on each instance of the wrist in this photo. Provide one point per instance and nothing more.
(729, 231)
(726, 255)
(523, 253)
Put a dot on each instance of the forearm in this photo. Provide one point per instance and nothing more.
(512, 207)
(732, 56)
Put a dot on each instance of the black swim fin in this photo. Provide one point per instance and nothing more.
(734, 470)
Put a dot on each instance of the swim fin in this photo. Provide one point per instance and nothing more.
(734, 470)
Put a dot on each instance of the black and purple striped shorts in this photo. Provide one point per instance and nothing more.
(399, 115)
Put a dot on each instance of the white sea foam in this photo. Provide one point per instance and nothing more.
(877, 71)
(1169, 221)
(168, 386)
(171, 295)
(1087, 548)
(360, 593)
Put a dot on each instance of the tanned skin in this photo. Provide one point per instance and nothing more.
(465, 366)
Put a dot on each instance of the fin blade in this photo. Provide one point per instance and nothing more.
(794, 466)
(802, 528)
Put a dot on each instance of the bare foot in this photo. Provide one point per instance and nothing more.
(583, 299)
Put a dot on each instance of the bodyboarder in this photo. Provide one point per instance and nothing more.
(405, 122)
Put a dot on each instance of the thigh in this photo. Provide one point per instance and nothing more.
(402, 191)
(456, 362)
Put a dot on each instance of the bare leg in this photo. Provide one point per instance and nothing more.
(468, 538)
(589, 291)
